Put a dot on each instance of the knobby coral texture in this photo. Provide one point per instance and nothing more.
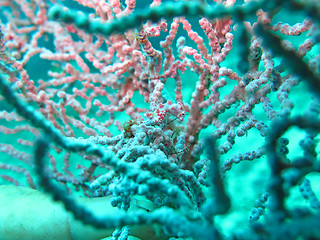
(206, 110)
